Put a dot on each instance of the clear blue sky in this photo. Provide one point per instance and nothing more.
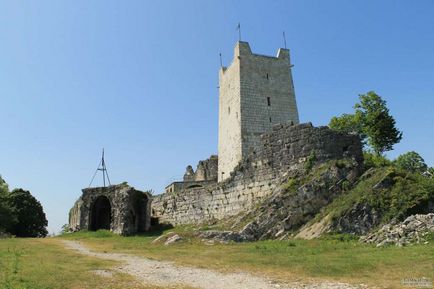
(140, 79)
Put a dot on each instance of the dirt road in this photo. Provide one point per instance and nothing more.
(168, 274)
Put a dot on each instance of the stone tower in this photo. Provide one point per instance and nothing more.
(255, 92)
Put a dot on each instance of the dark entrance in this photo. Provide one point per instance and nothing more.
(137, 216)
(101, 214)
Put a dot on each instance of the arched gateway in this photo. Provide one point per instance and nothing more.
(118, 208)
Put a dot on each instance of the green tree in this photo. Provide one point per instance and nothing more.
(411, 162)
(430, 172)
(7, 217)
(378, 125)
(31, 220)
(372, 122)
(347, 123)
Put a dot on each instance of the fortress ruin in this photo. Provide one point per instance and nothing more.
(260, 143)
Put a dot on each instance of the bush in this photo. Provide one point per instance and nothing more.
(411, 162)
(375, 160)
(310, 161)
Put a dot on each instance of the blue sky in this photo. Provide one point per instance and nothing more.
(139, 78)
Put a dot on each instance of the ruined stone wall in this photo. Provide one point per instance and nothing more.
(284, 149)
(206, 170)
(256, 92)
(130, 209)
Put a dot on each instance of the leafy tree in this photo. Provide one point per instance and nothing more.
(411, 162)
(377, 123)
(372, 122)
(430, 172)
(347, 123)
(31, 220)
(7, 218)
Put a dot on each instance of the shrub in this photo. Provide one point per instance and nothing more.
(310, 161)
(411, 162)
(375, 160)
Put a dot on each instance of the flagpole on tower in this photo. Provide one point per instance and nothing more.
(239, 31)
(284, 39)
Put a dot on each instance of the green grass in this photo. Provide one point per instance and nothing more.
(338, 258)
(408, 194)
(46, 264)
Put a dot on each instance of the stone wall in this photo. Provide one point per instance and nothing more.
(256, 92)
(206, 170)
(285, 148)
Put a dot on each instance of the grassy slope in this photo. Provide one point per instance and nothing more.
(406, 194)
(330, 259)
(44, 263)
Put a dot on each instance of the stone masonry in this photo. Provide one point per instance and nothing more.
(119, 208)
(255, 93)
(287, 147)
(205, 171)
(205, 174)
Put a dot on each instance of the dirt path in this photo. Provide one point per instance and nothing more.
(168, 274)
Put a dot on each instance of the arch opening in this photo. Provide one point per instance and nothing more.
(101, 214)
(137, 214)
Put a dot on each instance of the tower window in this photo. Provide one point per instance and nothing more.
(270, 119)
(267, 75)
(269, 101)
(229, 110)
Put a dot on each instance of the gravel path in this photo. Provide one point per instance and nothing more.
(168, 274)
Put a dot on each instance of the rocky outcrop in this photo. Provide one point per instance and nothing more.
(359, 220)
(291, 204)
(225, 236)
(413, 229)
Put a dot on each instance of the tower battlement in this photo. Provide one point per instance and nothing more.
(255, 92)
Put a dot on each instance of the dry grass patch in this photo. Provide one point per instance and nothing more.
(334, 259)
(45, 263)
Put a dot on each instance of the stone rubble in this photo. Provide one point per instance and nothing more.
(173, 239)
(414, 229)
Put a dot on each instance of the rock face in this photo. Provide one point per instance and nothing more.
(359, 220)
(119, 208)
(288, 209)
(285, 150)
(413, 229)
(290, 205)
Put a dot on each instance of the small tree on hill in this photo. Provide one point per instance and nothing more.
(377, 122)
(31, 220)
(411, 162)
(372, 122)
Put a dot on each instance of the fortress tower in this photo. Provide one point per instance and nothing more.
(255, 92)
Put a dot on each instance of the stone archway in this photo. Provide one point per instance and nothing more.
(101, 214)
(138, 212)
